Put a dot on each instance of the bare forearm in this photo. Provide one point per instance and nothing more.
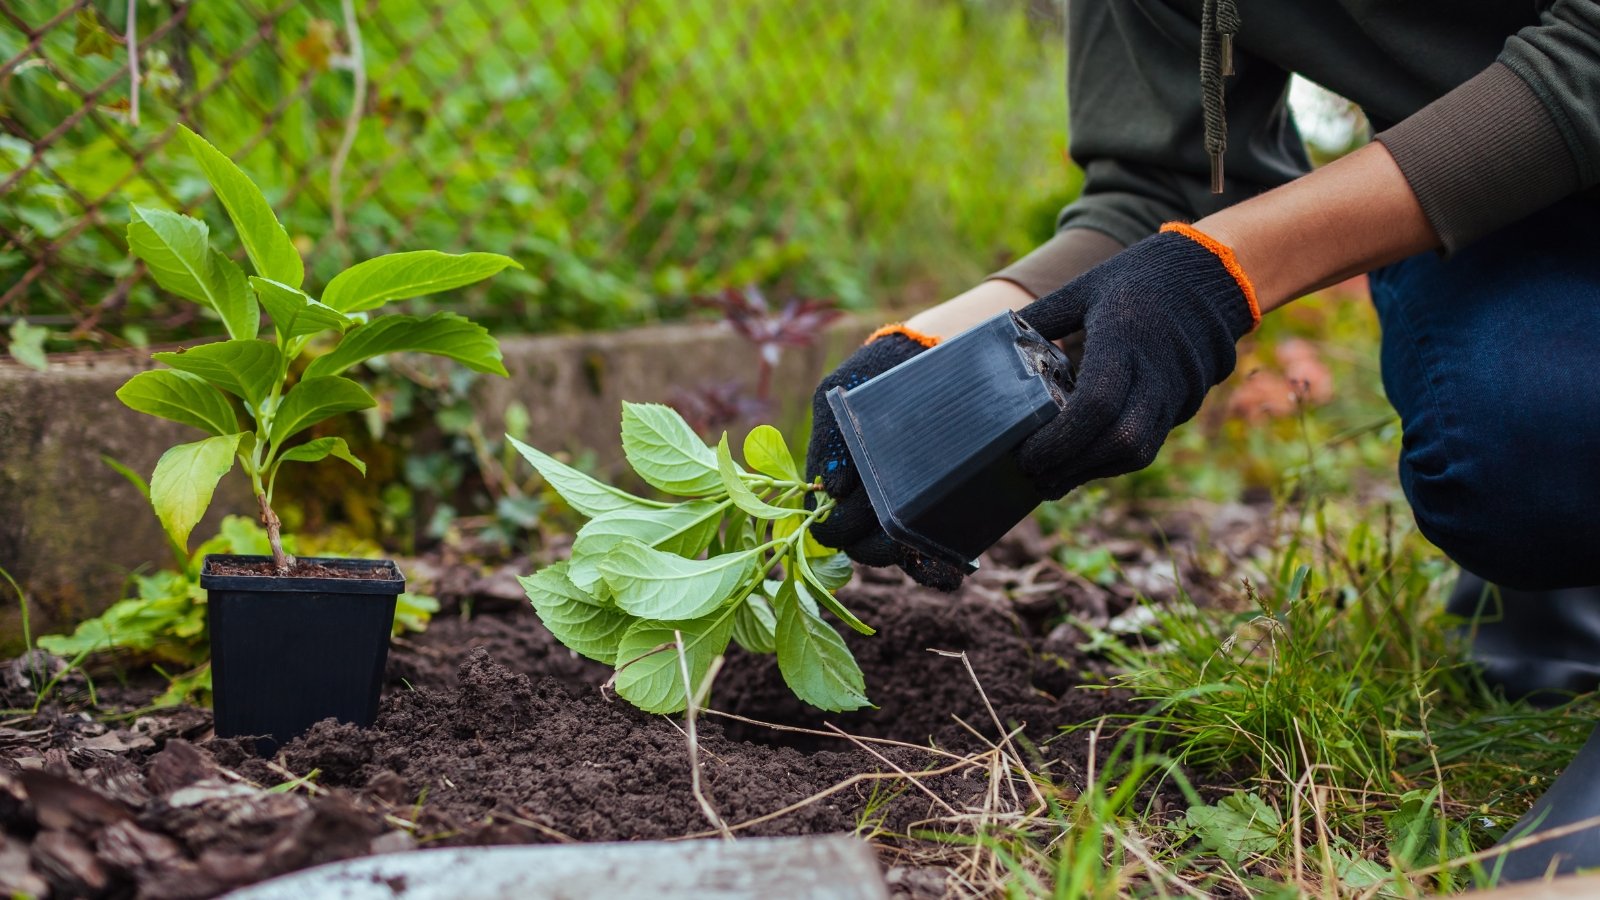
(1064, 257)
(961, 312)
(1348, 217)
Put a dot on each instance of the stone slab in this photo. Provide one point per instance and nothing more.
(834, 867)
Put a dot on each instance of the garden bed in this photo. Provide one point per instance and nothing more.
(491, 732)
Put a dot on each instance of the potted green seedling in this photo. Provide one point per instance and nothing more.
(293, 641)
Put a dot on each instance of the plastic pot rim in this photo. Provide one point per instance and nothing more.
(396, 584)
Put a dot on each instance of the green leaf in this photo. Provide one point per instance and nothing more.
(586, 495)
(373, 283)
(240, 313)
(655, 585)
(572, 617)
(767, 452)
(666, 452)
(755, 625)
(132, 477)
(1241, 825)
(684, 530)
(813, 659)
(1356, 871)
(832, 572)
(268, 245)
(1421, 834)
(175, 249)
(412, 612)
(821, 591)
(247, 369)
(27, 345)
(181, 397)
(739, 493)
(162, 622)
(241, 536)
(442, 334)
(652, 679)
(322, 448)
(313, 400)
(293, 312)
(184, 480)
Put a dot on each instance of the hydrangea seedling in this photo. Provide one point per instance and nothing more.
(643, 570)
(207, 386)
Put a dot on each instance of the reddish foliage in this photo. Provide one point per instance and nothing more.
(717, 406)
(711, 408)
(797, 324)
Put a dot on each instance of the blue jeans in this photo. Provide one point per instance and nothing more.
(1492, 358)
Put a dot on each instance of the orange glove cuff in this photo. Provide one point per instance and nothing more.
(926, 340)
(1230, 262)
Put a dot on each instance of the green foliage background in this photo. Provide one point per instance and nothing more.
(631, 155)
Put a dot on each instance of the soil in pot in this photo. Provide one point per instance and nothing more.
(382, 570)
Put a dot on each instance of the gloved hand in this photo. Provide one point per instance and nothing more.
(1160, 320)
(852, 526)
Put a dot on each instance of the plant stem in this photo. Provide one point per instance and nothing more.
(281, 561)
(796, 540)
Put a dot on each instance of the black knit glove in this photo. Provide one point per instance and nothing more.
(852, 525)
(1160, 320)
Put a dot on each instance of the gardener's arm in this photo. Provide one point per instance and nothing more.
(1344, 219)
(1349, 217)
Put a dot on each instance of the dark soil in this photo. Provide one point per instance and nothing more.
(490, 732)
(303, 568)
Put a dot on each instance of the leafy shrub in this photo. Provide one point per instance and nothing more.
(645, 573)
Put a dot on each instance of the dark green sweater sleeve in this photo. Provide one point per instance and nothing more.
(1133, 96)
(1517, 137)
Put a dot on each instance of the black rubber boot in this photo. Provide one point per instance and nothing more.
(1539, 646)
(1574, 797)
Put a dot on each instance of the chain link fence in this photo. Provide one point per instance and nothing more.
(632, 154)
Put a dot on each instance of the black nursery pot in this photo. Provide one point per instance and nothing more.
(933, 437)
(287, 652)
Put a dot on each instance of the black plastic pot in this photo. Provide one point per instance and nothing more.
(287, 653)
(933, 437)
